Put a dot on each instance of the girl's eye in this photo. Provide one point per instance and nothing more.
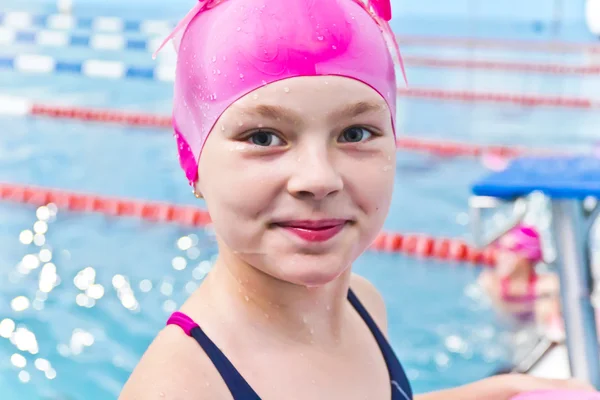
(265, 139)
(355, 134)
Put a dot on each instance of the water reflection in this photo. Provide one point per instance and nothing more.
(62, 298)
(24, 340)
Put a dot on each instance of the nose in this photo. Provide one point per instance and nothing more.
(314, 176)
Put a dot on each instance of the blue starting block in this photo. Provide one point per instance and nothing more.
(566, 181)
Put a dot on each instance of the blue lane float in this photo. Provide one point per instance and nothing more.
(26, 20)
(62, 39)
(46, 65)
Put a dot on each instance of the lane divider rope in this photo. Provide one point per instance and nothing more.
(507, 66)
(446, 148)
(63, 39)
(16, 106)
(91, 68)
(418, 245)
(529, 100)
(545, 46)
(25, 20)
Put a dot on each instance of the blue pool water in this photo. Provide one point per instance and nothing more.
(66, 346)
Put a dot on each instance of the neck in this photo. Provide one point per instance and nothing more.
(265, 303)
(522, 272)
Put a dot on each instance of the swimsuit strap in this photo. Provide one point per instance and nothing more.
(239, 388)
(401, 389)
(531, 294)
(531, 288)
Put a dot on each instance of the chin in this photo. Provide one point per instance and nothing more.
(312, 271)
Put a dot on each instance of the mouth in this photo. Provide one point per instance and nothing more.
(314, 230)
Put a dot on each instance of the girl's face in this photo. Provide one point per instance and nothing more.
(298, 176)
(509, 262)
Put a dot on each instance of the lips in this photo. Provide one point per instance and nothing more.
(314, 230)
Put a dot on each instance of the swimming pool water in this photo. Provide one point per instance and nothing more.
(68, 345)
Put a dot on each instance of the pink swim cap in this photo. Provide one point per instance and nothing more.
(524, 240)
(228, 48)
(558, 395)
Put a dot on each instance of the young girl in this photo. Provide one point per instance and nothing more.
(514, 285)
(284, 118)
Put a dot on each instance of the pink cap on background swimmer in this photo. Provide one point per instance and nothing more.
(228, 48)
(524, 240)
(558, 395)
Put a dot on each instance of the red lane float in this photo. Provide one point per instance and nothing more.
(500, 98)
(94, 115)
(17, 106)
(507, 44)
(511, 66)
(110, 206)
(426, 246)
(457, 149)
(417, 245)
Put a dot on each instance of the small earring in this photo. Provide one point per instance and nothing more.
(198, 195)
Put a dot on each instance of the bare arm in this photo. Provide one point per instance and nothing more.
(504, 387)
(489, 389)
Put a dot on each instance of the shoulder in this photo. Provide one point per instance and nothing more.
(370, 297)
(174, 367)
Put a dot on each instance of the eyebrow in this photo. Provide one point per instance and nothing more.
(356, 109)
(275, 112)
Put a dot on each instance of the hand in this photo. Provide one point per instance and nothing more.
(507, 386)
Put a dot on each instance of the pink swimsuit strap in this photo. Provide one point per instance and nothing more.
(182, 321)
(529, 296)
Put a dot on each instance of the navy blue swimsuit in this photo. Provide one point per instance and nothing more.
(241, 390)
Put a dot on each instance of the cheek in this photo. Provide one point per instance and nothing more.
(236, 188)
(372, 182)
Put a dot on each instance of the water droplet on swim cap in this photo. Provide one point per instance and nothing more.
(214, 59)
(241, 76)
(286, 89)
(320, 38)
